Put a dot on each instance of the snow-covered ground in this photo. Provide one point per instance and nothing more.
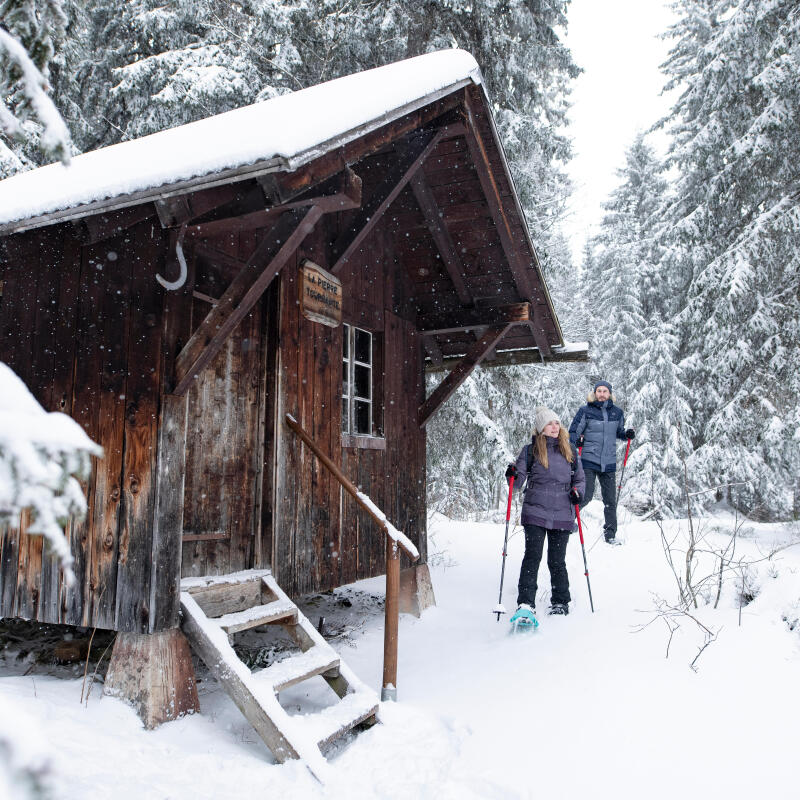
(585, 707)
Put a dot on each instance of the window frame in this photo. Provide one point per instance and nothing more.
(374, 438)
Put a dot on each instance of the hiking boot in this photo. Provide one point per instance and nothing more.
(612, 540)
(562, 609)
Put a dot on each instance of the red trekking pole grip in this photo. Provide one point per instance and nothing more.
(510, 490)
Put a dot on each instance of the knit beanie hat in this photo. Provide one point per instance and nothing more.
(603, 383)
(543, 416)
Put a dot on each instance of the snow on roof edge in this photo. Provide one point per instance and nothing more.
(270, 136)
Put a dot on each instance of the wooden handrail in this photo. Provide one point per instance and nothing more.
(393, 547)
(347, 485)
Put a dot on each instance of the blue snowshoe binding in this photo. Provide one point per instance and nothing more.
(524, 620)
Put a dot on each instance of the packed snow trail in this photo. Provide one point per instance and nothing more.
(596, 709)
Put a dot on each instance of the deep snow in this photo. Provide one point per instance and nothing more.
(585, 707)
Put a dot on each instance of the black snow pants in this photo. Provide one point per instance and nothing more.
(609, 492)
(556, 562)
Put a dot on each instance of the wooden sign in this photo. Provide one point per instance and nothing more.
(320, 294)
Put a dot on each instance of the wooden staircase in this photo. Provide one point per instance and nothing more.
(212, 608)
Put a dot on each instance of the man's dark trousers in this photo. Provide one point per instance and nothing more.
(556, 562)
(609, 493)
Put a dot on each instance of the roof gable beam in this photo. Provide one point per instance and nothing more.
(274, 250)
(460, 372)
(468, 319)
(411, 155)
(340, 192)
(480, 159)
(441, 236)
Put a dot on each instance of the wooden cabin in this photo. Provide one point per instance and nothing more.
(180, 294)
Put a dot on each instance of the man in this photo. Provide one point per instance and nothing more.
(595, 429)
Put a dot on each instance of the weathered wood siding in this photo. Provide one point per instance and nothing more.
(320, 539)
(92, 334)
(84, 327)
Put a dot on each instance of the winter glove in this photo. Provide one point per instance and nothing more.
(629, 434)
(575, 496)
(511, 472)
(579, 442)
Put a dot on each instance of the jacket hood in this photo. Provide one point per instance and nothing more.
(590, 398)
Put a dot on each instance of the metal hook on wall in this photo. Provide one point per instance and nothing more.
(171, 286)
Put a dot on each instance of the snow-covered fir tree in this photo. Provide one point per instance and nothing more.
(30, 125)
(619, 284)
(41, 457)
(732, 233)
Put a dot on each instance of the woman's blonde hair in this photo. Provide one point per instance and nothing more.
(540, 446)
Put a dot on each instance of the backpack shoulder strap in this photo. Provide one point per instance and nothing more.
(529, 457)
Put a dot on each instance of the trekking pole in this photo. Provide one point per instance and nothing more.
(622, 476)
(583, 550)
(500, 608)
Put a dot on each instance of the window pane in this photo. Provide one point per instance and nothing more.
(346, 416)
(345, 341)
(362, 381)
(362, 417)
(345, 389)
(363, 346)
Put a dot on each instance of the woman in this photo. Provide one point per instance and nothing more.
(555, 483)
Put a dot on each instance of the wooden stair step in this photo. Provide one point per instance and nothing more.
(299, 667)
(278, 611)
(327, 725)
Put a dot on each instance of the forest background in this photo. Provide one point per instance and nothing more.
(688, 293)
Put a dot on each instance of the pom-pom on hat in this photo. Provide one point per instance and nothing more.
(603, 383)
(543, 416)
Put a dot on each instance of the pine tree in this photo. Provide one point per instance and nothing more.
(30, 125)
(621, 278)
(732, 233)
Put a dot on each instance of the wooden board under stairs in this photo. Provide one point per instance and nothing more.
(214, 607)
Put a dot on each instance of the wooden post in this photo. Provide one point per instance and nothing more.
(390, 626)
(393, 548)
(154, 674)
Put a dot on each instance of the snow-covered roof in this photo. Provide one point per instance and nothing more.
(280, 134)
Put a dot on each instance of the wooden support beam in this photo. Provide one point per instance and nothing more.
(461, 372)
(440, 114)
(411, 156)
(441, 236)
(471, 318)
(433, 350)
(341, 192)
(99, 227)
(507, 358)
(268, 259)
(480, 159)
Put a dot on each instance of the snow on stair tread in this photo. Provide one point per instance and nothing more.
(297, 668)
(326, 725)
(257, 615)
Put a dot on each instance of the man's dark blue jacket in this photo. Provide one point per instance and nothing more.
(601, 425)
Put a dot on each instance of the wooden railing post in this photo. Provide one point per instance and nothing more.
(395, 542)
(391, 622)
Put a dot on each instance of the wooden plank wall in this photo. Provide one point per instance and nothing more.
(225, 432)
(320, 538)
(83, 327)
(93, 335)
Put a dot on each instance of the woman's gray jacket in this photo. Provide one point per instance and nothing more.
(546, 502)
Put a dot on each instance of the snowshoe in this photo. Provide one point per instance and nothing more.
(524, 619)
(559, 609)
(613, 541)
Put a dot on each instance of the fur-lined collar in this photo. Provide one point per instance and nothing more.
(590, 398)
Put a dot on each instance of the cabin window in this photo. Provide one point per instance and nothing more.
(361, 368)
(357, 381)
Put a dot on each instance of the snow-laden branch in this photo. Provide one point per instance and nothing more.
(55, 139)
(42, 456)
